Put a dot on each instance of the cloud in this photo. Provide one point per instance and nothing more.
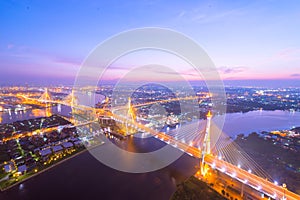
(209, 13)
(181, 14)
(10, 46)
(231, 70)
(288, 54)
(36, 55)
(284, 55)
(295, 75)
(72, 61)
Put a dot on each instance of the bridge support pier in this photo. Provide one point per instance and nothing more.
(242, 190)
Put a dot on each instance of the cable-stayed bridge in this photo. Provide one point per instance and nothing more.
(195, 140)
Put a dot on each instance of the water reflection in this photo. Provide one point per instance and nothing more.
(9, 117)
(38, 112)
(48, 111)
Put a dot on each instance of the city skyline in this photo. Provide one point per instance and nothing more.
(252, 40)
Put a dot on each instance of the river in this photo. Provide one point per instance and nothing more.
(257, 121)
(83, 177)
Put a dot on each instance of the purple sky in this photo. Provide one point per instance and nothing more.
(45, 42)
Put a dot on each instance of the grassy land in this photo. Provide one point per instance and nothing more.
(194, 189)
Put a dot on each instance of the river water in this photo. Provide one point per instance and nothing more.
(83, 177)
(257, 121)
(8, 117)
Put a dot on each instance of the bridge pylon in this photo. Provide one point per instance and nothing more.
(131, 118)
(70, 99)
(46, 96)
(131, 111)
(206, 150)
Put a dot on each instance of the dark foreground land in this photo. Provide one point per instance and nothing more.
(276, 155)
(194, 189)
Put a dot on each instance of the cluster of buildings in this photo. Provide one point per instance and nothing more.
(287, 139)
(239, 99)
(31, 145)
(30, 127)
(31, 162)
(248, 99)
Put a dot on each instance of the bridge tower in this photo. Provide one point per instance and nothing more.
(206, 150)
(45, 99)
(207, 133)
(131, 118)
(70, 99)
(106, 103)
(45, 96)
(131, 111)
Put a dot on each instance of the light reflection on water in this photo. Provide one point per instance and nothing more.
(7, 117)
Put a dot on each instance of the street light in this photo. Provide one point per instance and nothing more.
(223, 169)
(214, 165)
(259, 187)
